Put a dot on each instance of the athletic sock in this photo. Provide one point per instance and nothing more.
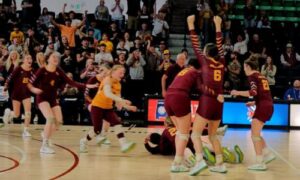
(178, 159)
(199, 157)
(219, 159)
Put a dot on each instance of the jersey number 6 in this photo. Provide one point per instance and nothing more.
(217, 75)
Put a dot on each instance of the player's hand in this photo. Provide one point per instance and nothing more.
(234, 93)
(147, 139)
(190, 21)
(251, 103)
(37, 91)
(127, 102)
(119, 106)
(220, 98)
(217, 20)
(131, 108)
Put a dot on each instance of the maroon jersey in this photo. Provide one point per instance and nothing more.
(260, 88)
(18, 81)
(91, 92)
(188, 79)
(212, 71)
(50, 82)
(171, 73)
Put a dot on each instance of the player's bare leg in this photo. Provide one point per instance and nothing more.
(27, 109)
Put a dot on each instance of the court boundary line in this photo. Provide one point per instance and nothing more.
(16, 164)
(75, 157)
(23, 154)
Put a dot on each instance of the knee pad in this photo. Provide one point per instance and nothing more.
(256, 138)
(195, 135)
(27, 115)
(50, 120)
(118, 129)
(183, 137)
(213, 137)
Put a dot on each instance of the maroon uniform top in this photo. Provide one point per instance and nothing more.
(50, 82)
(188, 79)
(171, 73)
(260, 89)
(18, 81)
(212, 71)
(91, 92)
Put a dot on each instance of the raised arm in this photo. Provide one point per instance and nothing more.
(219, 37)
(195, 39)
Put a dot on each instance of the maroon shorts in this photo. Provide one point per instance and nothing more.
(263, 111)
(20, 96)
(98, 114)
(51, 100)
(177, 103)
(210, 108)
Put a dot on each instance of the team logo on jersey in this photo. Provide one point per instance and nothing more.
(25, 80)
(250, 113)
(52, 82)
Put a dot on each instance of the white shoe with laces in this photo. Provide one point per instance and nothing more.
(198, 168)
(177, 168)
(46, 149)
(49, 140)
(100, 139)
(83, 147)
(6, 116)
(269, 157)
(219, 168)
(258, 167)
(26, 133)
(127, 146)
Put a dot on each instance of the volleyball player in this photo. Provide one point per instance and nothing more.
(102, 108)
(209, 110)
(260, 90)
(45, 83)
(20, 94)
(90, 94)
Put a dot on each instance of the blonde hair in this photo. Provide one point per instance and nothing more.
(38, 58)
(9, 62)
(116, 67)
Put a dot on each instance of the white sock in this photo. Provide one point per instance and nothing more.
(199, 157)
(178, 159)
(259, 159)
(122, 141)
(219, 159)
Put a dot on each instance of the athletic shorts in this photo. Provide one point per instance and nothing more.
(20, 96)
(177, 103)
(210, 108)
(98, 114)
(51, 100)
(263, 112)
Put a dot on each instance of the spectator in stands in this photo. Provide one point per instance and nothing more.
(134, 9)
(15, 46)
(249, 15)
(67, 30)
(117, 13)
(289, 59)
(269, 71)
(162, 47)
(83, 53)
(114, 33)
(97, 32)
(160, 28)
(136, 63)
(51, 47)
(89, 71)
(122, 49)
(166, 61)
(150, 5)
(69, 91)
(103, 57)
(152, 73)
(67, 63)
(143, 32)
(137, 44)
(17, 34)
(31, 41)
(293, 93)
(264, 23)
(109, 45)
(102, 14)
(27, 11)
(72, 16)
(64, 44)
(89, 36)
(44, 19)
(205, 23)
(186, 53)
(234, 71)
(241, 46)
(10, 6)
(128, 43)
(228, 4)
(227, 46)
(257, 47)
(144, 16)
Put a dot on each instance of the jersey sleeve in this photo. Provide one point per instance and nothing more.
(67, 80)
(219, 40)
(87, 90)
(12, 76)
(253, 85)
(36, 78)
(196, 47)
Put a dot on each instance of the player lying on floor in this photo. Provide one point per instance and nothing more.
(164, 144)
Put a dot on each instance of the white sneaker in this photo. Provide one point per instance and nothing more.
(83, 146)
(269, 157)
(127, 146)
(11, 117)
(46, 149)
(6, 116)
(189, 158)
(106, 142)
(219, 168)
(177, 168)
(26, 134)
(222, 130)
(49, 140)
(200, 166)
(100, 139)
(258, 167)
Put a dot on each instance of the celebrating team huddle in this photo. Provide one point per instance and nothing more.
(204, 75)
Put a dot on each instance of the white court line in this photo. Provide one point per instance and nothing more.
(23, 154)
(284, 160)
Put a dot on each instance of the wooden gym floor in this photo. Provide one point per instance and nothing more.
(20, 158)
